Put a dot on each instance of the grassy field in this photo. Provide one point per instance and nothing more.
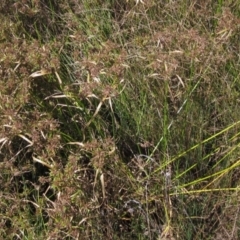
(120, 119)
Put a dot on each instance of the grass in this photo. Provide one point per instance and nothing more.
(119, 120)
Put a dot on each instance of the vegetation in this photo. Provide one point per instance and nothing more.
(119, 119)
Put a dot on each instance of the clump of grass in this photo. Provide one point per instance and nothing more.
(119, 120)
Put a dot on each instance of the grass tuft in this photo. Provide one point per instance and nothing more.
(119, 119)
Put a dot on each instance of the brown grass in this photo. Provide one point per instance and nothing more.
(119, 119)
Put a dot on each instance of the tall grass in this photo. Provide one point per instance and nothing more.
(119, 119)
